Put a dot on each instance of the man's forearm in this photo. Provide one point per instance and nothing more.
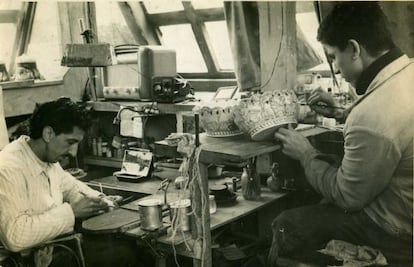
(22, 231)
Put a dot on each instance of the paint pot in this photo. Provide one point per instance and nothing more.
(180, 214)
(150, 212)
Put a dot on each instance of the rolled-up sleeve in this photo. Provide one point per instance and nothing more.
(369, 162)
(20, 227)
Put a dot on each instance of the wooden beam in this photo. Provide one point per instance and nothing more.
(23, 31)
(132, 24)
(179, 17)
(27, 26)
(202, 38)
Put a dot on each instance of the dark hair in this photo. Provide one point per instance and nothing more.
(62, 115)
(362, 21)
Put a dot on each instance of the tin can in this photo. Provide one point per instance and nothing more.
(180, 214)
(150, 212)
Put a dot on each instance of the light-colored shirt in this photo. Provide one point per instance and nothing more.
(34, 197)
(376, 173)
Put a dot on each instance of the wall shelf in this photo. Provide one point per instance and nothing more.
(102, 161)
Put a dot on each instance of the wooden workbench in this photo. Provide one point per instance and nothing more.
(219, 151)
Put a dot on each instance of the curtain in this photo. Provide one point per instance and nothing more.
(244, 33)
(306, 56)
(243, 26)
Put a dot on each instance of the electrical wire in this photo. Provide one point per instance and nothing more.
(278, 52)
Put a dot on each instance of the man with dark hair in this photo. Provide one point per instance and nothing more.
(39, 201)
(369, 197)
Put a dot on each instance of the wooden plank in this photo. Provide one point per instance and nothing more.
(137, 21)
(114, 106)
(27, 25)
(240, 148)
(242, 207)
(111, 222)
(178, 17)
(102, 161)
(233, 150)
(88, 55)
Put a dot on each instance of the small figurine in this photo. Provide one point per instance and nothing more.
(274, 182)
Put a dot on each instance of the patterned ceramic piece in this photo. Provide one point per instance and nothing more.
(263, 113)
(217, 118)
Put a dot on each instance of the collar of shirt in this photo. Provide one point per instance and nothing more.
(39, 166)
(368, 75)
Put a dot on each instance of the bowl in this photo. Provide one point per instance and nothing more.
(262, 114)
(217, 118)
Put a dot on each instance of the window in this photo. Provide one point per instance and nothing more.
(198, 33)
(31, 28)
(181, 38)
(45, 42)
(111, 24)
(9, 14)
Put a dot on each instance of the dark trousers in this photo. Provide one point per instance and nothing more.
(109, 250)
(298, 233)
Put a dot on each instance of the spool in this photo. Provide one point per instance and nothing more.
(150, 212)
(180, 214)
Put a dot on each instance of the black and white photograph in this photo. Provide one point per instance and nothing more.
(206, 133)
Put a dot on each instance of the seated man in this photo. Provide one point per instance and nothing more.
(39, 201)
(370, 196)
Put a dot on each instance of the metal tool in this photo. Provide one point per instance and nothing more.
(164, 187)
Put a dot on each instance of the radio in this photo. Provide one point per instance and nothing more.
(170, 90)
(150, 77)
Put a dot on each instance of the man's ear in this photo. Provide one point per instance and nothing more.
(355, 49)
(48, 133)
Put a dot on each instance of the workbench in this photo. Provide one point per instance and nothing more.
(231, 150)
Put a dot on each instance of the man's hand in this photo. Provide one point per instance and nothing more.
(323, 103)
(295, 145)
(89, 206)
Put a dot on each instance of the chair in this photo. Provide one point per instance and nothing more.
(15, 259)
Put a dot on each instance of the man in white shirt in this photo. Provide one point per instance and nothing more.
(39, 201)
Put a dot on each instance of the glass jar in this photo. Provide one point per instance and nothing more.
(212, 203)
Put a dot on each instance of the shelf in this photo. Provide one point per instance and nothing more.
(101, 161)
(231, 150)
(165, 108)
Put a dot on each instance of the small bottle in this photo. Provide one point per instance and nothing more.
(99, 147)
(213, 205)
(94, 147)
(104, 146)
(244, 179)
(109, 152)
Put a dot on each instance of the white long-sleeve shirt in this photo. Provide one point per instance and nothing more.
(34, 197)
